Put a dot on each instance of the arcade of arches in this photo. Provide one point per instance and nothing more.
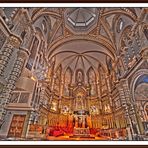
(73, 73)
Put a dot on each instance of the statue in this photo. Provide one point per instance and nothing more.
(80, 77)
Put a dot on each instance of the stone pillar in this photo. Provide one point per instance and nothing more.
(72, 104)
(125, 99)
(12, 42)
(10, 86)
(108, 82)
(136, 120)
(88, 97)
(62, 85)
(70, 90)
(30, 121)
(61, 91)
(25, 129)
(52, 88)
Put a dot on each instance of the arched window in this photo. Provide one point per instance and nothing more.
(67, 81)
(44, 26)
(120, 25)
(57, 81)
(141, 95)
(141, 88)
(102, 80)
(92, 81)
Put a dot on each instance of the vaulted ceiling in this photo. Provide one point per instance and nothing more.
(80, 38)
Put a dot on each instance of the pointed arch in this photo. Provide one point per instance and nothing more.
(57, 81)
(67, 81)
(91, 75)
(102, 79)
(92, 80)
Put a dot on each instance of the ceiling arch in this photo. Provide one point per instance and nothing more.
(120, 11)
(41, 12)
(99, 41)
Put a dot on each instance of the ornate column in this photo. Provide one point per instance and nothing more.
(134, 115)
(88, 97)
(108, 82)
(125, 100)
(61, 91)
(10, 86)
(52, 88)
(71, 87)
(12, 43)
(72, 104)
